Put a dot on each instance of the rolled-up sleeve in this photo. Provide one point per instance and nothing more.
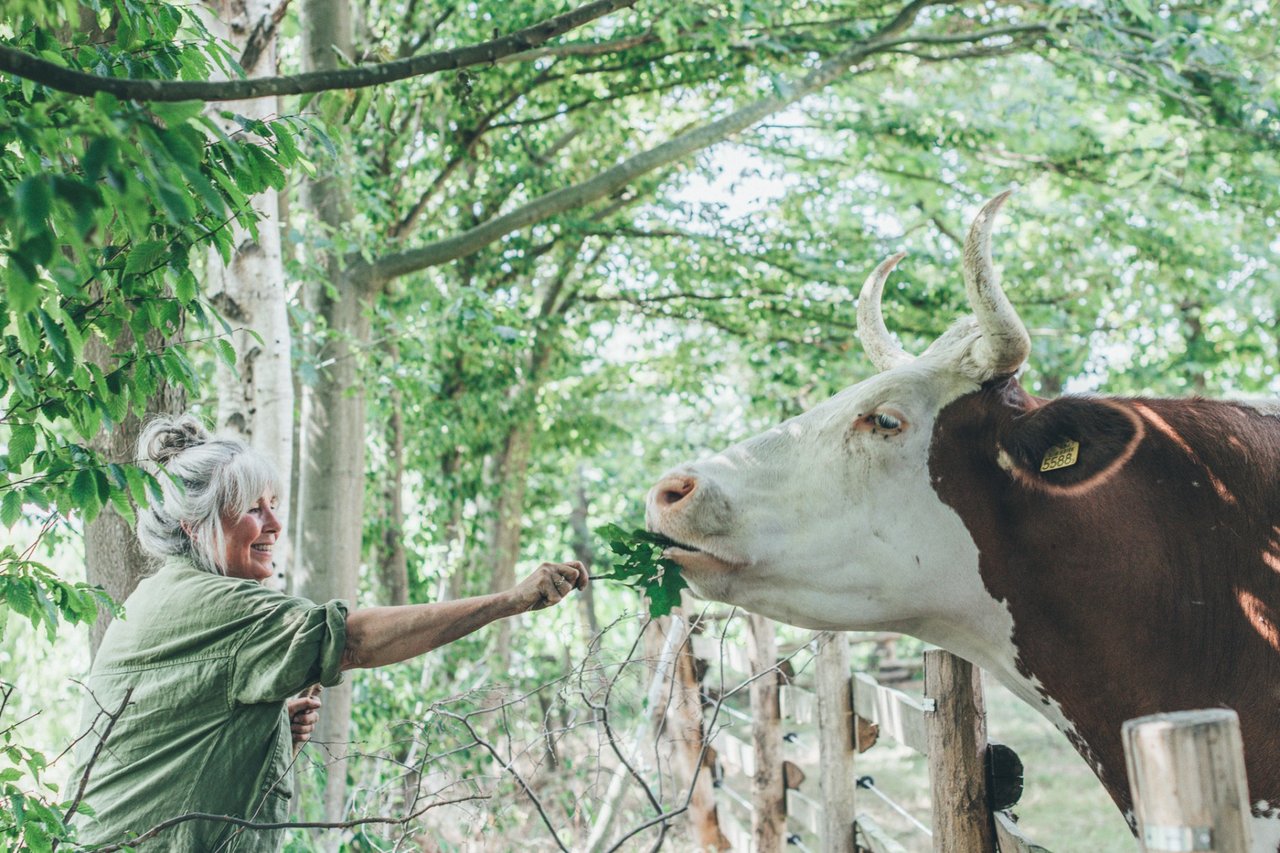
(294, 644)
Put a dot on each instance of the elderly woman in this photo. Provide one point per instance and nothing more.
(209, 656)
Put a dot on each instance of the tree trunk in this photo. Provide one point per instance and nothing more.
(112, 555)
(768, 813)
(678, 719)
(256, 397)
(585, 553)
(331, 475)
(332, 508)
(453, 570)
(513, 478)
(393, 562)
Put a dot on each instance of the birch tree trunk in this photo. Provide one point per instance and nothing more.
(331, 469)
(255, 399)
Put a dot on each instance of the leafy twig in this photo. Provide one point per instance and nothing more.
(641, 566)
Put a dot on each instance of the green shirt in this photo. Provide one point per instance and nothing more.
(210, 660)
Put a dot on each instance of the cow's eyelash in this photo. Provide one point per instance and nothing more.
(886, 421)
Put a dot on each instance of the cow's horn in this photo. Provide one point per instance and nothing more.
(1005, 343)
(880, 346)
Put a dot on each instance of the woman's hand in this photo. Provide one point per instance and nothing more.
(548, 586)
(304, 713)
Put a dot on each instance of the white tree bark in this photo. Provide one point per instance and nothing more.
(256, 398)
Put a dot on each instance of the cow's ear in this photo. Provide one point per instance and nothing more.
(1071, 444)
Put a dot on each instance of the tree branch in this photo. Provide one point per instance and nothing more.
(112, 718)
(300, 824)
(75, 82)
(611, 180)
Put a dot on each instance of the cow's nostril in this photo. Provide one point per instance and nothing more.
(675, 489)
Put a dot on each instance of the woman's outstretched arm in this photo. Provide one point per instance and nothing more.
(378, 636)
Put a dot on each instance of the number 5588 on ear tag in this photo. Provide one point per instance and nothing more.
(1061, 455)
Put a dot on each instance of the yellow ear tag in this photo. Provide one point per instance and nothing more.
(1062, 455)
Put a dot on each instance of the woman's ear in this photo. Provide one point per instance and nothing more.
(1070, 445)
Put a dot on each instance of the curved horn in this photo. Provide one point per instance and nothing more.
(1005, 343)
(880, 346)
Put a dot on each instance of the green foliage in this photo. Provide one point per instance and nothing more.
(642, 567)
(105, 207)
(30, 589)
(30, 811)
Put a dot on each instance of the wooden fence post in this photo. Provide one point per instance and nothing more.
(835, 741)
(957, 739)
(768, 803)
(1186, 773)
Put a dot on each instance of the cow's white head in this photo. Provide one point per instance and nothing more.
(829, 520)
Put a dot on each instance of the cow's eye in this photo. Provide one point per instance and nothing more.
(886, 422)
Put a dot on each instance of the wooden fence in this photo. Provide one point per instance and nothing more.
(807, 795)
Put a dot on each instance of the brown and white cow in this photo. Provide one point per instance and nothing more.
(1144, 576)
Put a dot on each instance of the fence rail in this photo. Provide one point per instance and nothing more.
(826, 723)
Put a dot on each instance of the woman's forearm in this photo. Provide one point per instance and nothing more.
(378, 636)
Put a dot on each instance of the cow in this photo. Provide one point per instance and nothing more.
(1103, 557)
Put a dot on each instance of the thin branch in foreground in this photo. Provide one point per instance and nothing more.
(112, 718)
(509, 766)
(151, 833)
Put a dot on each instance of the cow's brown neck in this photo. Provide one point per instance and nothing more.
(1144, 578)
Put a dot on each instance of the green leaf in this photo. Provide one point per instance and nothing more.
(120, 500)
(22, 443)
(227, 352)
(144, 256)
(664, 592)
(643, 568)
(84, 489)
(1140, 9)
(34, 200)
(185, 287)
(57, 338)
(100, 152)
(19, 597)
(10, 508)
(178, 112)
(22, 291)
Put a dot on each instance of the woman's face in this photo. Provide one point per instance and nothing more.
(250, 538)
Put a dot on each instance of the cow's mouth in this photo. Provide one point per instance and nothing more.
(698, 560)
(669, 544)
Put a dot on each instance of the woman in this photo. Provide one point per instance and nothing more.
(208, 657)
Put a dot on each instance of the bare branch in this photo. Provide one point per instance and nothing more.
(112, 718)
(151, 833)
(509, 766)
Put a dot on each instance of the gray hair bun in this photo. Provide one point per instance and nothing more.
(205, 477)
(165, 437)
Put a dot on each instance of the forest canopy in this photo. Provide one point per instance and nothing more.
(476, 310)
